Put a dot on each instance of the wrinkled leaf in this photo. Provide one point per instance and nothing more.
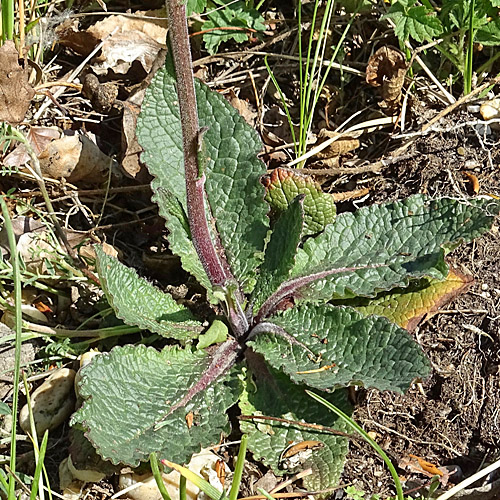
(282, 187)
(139, 303)
(235, 195)
(408, 306)
(382, 246)
(418, 22)
(339, 346)
(235, 15)
(128, 392)
(271, 393)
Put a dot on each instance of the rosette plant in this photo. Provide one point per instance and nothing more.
(308, 299)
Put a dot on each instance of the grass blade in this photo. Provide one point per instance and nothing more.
(371, 442)
(238, 469)
(18, 329)
(157, 475)
(39, 466)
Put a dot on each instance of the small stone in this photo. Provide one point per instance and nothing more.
(484, 286)
(52, 402)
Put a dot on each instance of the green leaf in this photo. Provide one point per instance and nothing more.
(418, 22)
(339, 346)
(217, 333)
(195, 6)
(4, 408)
(127, 396)
(235, 195)
(235, 15)
(283, 185)
(489, 34)
(271, 393)
(382, 246)
(280, 252)
(408, 306)
(139, 303)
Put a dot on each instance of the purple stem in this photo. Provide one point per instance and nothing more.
(211, 255)
(195, 184)
(291, 287)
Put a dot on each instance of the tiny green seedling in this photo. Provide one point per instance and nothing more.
(273, 275)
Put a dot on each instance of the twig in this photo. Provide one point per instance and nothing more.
(316, 427)
(462, 100)
(472, 479)
(205, 60)
(370, 168)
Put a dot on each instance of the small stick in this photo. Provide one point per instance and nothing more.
(316, 427)
(462, 100)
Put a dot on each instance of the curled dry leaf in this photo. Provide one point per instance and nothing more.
(15, 91)
(75, 158)
(387, 69)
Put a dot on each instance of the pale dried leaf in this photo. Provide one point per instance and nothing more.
(75, 158)
(15, 91)
(38, 138)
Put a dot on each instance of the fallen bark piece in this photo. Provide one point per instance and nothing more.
(15, 91)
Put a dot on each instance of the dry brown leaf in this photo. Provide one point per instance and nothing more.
(130, 144)
(387, 69)
(75, 158)
(15, 91)
(339, 147)
(244, 108)
(84, 42)
(38, 138)
(121, 50)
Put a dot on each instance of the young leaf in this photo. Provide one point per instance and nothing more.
(339, 346)
(139, 303)
(128, 392)
(271, 393)
(283, 185)
(235, 195)
(419, 22)
(280, 252)
(408, 306)
(382, 246)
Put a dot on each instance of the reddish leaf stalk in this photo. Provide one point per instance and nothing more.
(195, 183)
(213, 261)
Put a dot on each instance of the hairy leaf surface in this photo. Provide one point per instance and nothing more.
(230, 145)
(382, 246)
(271, 393)
(280, 252)
(139, 303)
(339, 346)
(128, 393)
